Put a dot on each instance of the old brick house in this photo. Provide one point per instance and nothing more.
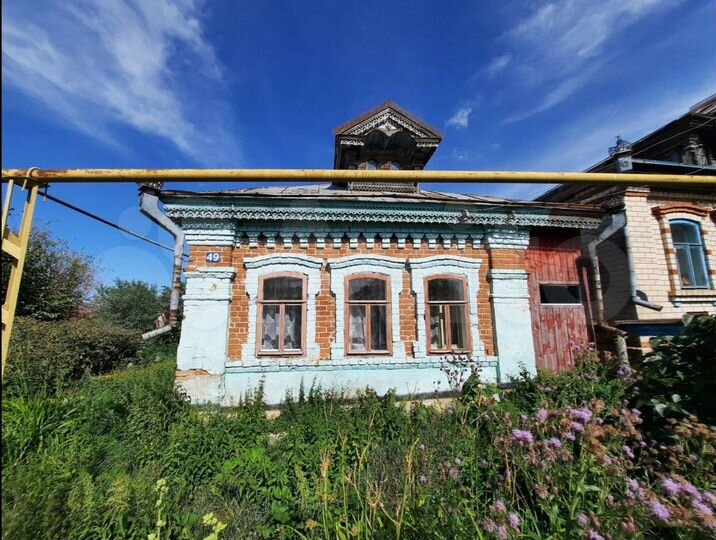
(656, 247)
(373, 284)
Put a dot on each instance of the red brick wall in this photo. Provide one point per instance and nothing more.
(325, 303)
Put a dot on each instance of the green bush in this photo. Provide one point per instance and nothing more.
(45, 356)
(678, 377)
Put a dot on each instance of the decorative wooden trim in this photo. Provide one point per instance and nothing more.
(683, 208)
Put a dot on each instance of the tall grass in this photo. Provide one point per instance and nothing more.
(556, 457)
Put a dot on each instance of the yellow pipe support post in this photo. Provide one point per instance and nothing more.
(340, 175)
(15, 245)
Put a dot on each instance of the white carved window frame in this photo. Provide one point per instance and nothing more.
(420, 269)
(391, 267)
(257, 267)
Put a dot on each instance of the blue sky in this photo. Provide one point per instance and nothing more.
(513, 85)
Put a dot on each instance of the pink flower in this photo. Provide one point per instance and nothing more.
(576, 426)
(542, 415)
(584, 415)
(582, 520)
(554, 442)
(569, 436)
(594, 535)
(701, 508)
(514, 521)
(628, 451)
(522, 436)
(498, 507)
(670, 486)
(659, 510)
(502, 533)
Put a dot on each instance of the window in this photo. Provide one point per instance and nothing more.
(368, 314)
(690, 257)
(394, 166)
(447, 314)
(559, 294)
(282, 307)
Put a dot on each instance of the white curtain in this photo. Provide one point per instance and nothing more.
(356, 328)
(269, 328)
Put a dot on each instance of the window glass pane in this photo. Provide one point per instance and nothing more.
(458, 327)
(685, 233)
(357, 328)
(378, 328)
(559, 294)
(682, 258)
(371, 165)
(445, 289)
(698, 263)
(269, 328)
(438, 332)
(366, 289)
(292, 320)
(283, 288)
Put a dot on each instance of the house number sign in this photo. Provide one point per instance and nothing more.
(213, 257)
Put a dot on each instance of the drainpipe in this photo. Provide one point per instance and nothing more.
(618, 221)
(632, 277)
(149, 206)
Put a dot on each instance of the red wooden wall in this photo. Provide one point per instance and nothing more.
(557, 328)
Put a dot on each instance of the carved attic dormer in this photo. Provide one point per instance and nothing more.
(389, 138)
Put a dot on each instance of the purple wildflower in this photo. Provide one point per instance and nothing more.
(584, 415)
(594, 535)
(522, 436)
(659, 510)
(628, 451)
(489, 525)
(542, 415)
(514, 521)
(423, 479)
(670, 486)
(554, 442)
(502, 533)
(582, 520)
(569, 436)
(498, 507)
(576, 426)
(692, 491)
(710, 498)
(701, 508)
(458, 461)
(454, 473)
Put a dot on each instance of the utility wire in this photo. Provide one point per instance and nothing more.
(109, 223)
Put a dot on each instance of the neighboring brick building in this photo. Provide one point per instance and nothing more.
(656, 248)
(373, 284)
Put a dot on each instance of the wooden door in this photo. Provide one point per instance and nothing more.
(557, 300)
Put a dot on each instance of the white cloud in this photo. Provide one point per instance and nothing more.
(562, 42)
(100, 64)
(498, 64)
(591, 135)
(461, 119)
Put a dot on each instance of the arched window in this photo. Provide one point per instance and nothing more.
(368, 314)
(394, 166)
(447, 314)
(371, 165)
(690, 256)
(282, 309)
